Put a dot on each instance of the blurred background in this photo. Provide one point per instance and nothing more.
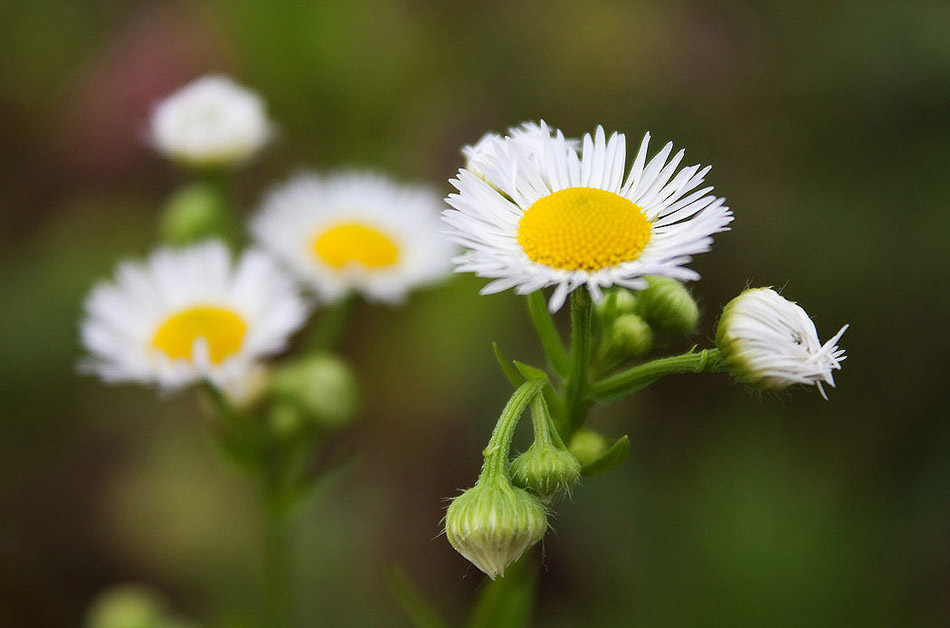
(828, 126)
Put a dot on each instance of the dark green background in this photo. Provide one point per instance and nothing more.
(827, 125)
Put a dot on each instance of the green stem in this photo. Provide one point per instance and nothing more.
(575, 388)
(545, 432)
(276, 559)
(330, 326)
(499, 445)
(637, 377)
(547, 332)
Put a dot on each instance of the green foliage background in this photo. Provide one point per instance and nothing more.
(828, 125)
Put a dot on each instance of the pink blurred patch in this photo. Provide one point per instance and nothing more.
(156, 50)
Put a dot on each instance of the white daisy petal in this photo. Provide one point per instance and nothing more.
(537, 210)
(358, 232)
(770, 342)
(188, 315)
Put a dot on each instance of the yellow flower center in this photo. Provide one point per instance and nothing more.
(583, 229)
(222, 329)
(354, 243)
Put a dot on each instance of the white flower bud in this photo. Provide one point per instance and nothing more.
(770, 342)
(211, 122)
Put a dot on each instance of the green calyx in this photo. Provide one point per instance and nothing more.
(668, 306)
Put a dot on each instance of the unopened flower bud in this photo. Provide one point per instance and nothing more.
(770, 342)
(668, 306)
(493, 524)
(632, 335)
(321, 388)
(587, 446)
(547, 471)
(194, 213)
(210, 123)
(127, 606)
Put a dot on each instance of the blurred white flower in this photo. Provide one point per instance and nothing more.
(189, 315)
(355, 232)
(210, 122)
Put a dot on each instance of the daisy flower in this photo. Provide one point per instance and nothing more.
(770, 342)
(558, 217)
(355, 232)
(210, 122)
(188, 315)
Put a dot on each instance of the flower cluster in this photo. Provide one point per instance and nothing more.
(192, 313)
(536, 210)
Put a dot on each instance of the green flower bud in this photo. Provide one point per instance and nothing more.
(493, 524)
(618, 301)
(631, 335)
(587, 446)
(193, 213)
(127, 606)
(668, 306)
(320, 387)
(547, 471)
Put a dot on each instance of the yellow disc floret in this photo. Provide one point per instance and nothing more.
(583, 229)
(354, 243)
(221, 328)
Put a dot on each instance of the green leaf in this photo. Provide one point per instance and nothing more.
(547, 332)
(530, 373)
(411, 600)
(507, 602)
(510, 372)
(615, 456)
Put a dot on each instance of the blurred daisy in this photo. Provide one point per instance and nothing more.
(210, 122)
(528, 135)
(355, 232)
(188, 315)
(557, 217)
(770, 342)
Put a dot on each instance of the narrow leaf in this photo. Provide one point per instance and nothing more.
(510, 372)
(530, 372)
(411, 600)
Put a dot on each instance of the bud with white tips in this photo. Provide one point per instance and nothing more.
(770, 342)
(668, 306)
(494, 523)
